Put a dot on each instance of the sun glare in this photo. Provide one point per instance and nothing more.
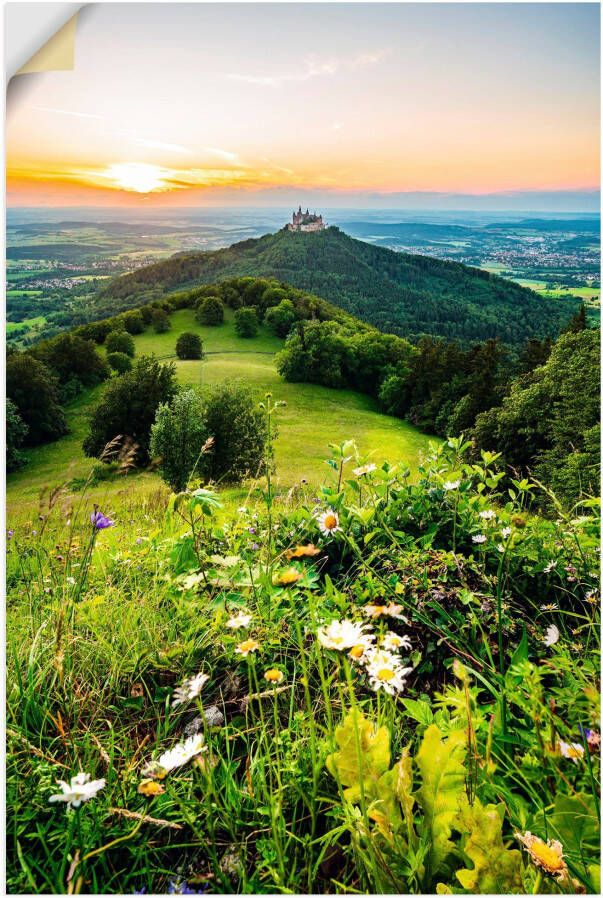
(136, 176)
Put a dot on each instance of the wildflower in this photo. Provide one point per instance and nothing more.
(190, 689)
(242, 619)
(547, 855)
(479, 538)
(308, 551)
(181, 887)
(150, 788)
(551, 636)
(10, 534)
(387, 675)
(364, 469)
(359, 652)
(242, 509)
(244, 648)
(390, 610)
(288, 577)
(552, 606)
(254, 547)
(80, 789)
(550, 566)
(71, 581)
(138, 540)
(593, 739)
(175, 757)
(341, 635)
(274, 675)
(328, 522)
(591, 596)
(393, 642)
(505, 532)
(452, 485)
(100, 521)
(572, 750)
(487, 515)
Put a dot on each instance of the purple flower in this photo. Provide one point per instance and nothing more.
(138, 541)
(251, 529)
(181, 887)
(254, 547)
(100, 521)
(10, 534)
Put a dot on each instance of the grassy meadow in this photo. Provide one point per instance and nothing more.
(313, 417)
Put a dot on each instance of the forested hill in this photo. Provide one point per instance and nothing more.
(399, 293)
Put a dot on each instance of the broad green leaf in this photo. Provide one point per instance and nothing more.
(496, 869)
(363, 757)
(574, 822)
(419, 711)
(443, 785)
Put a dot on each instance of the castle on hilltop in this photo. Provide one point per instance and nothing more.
(306, 221)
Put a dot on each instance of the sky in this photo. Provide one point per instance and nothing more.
(347, 104)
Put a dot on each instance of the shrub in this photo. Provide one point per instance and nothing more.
(128, 406)
(238, 427)
(246, 322)
(189, 346)
(177, 437)
(34, 389)
(70, 356)
(16, 431)
(210, 311)
(119, 362)
(280, 318)
(120, 341)
(133, 321)
(161, 321)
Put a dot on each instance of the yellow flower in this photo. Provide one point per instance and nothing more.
(274, 676)
(289, 576)
(308, 551)
(150, 788)
(547, 855)
(249, 645)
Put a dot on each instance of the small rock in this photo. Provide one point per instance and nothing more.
(213, 718)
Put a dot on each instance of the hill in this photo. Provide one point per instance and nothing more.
(399, 293)
(313, 417)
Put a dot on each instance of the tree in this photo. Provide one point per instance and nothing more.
(161, 321)
(238, 427)
(16, 431)
(128, 406)
(133, 321)
(577, 322)
(34, 389)
(120, 341)
(246, 322)
(210, 311)
(189, 346)
(177, 437)
(71, 357)
(119, 362)
(315, 352)
(280, 318)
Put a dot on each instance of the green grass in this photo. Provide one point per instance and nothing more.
(27, 322)
(314, 416)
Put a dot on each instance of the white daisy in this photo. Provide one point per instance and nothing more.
(364, 469)
(80, 789)
(177, 756)
(572, 750)
(190, 689)
(551, 636)
(241, 619)
(479, 538)
(487, 515)
(341, 635)
(393, 642)
(328, 522)
(506, 532)
(452, 485)
(389, 677)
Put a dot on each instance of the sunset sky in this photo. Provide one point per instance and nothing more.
(193, 104)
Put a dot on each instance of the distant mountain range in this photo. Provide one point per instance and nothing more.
(399, 293)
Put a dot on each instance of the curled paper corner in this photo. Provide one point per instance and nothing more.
(57, 54)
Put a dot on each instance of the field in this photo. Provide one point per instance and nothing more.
(313, 417)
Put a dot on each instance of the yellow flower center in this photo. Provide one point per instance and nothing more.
(291, 575)
(248, 646)
(573, 752)
(273, 675)
(330, 522)
(549, 858)
(357, 651)
(386, 674)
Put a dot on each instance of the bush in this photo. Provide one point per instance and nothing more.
(161, 321)
(246, 322)
(177, 437)
(34, 389)
(210, 311)
(120, 341)
(189, 346)
(70, 356)
(128, 406)
(16, 431)
(119, 362)
(238, 427)
(133, 322)
(280, 318)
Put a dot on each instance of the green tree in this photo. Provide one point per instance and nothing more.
(128, 406)
(577, 322)
(177, 437)
(34, 389)
(281, 318)
(238, 426)
(210, 311)
(246, 322)
(16, 431)
(315, 352)
(71, 357)
(189, 346)
(120, 341)
(133, 321)
(119, 362)
(161, 321)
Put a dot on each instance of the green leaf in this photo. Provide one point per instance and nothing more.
(419, 711)
(443, 785)
(496, 869)
(574, 823)
(363, 757)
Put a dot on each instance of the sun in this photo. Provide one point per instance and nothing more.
(137, 176)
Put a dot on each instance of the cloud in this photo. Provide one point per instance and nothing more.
(159, 144)
(67, 112)
(314, 67)
(223, 154)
